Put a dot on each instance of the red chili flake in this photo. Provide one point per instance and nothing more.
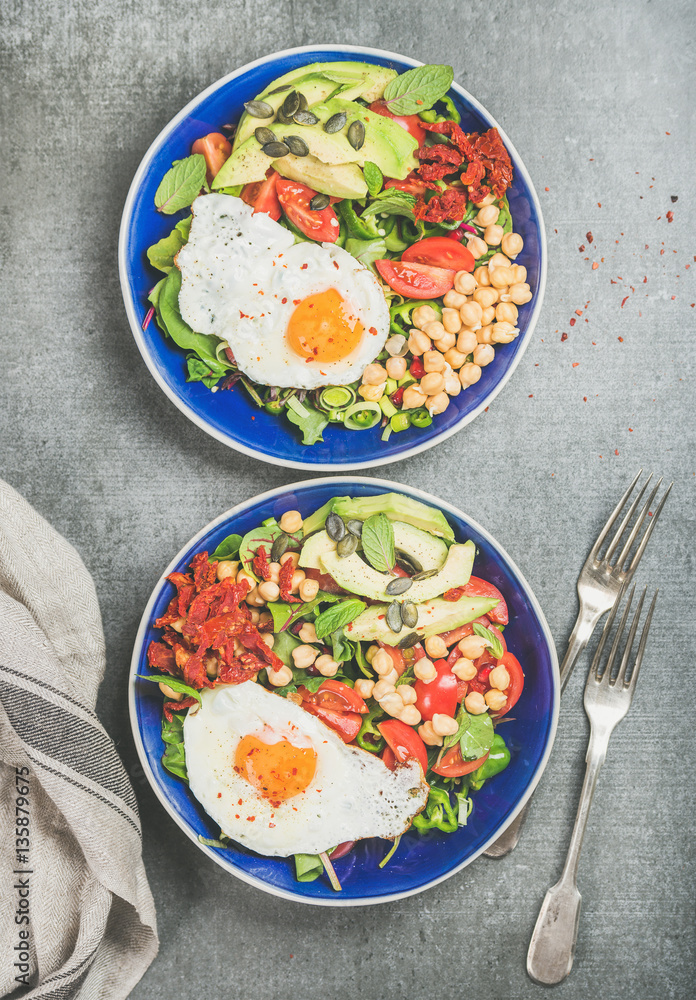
(595, 265)
(296, 302)
(547, 189)
(219, 795)
(584, 399)
(578, 312)
(599, 204)
(645, 280)
(303, 267)
(336, 265)
(621, 339)
(674, 198)
(668, 133)
(250, 819)
(564, 336)
(575, 364)
(630, 429)
(572, 321)
(670, 216)
(582, 248)
(589, 237)
(531, 395)
(616, 451)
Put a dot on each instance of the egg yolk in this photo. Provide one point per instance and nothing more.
(322, 328)
(277, 770)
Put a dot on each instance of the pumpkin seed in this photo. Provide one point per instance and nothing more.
(356, 134)
(426, 574)
(303, 102)
(399, 585)
(259, 109)
(279, 90)
(409, 614)
(318, 202)
(393, 617)
(297, 146)
(291, 104)
(335, 528)
(305, 118)
(409, 640)
(355, 525)
(283, 118)
(264, 135)
(336, 122)
(409, 563)
(275, 149)
(347, 545)
(279, 547)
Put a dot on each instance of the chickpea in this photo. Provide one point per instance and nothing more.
(451, 320)
(407, 694)
(269, 591)
(391, 678)
(428, 735)
(464, 669)
(243, 575)
(472, 646)
(499, 678)
(181, 657)
(436, 648)
(418, 343)
(434, 361)
(293, 696)
(485, 335)
(298, 577)
(455, 358)
(506, 312)
(422, 315)
(488, 316)
(464, 283)
(304, 656)
(372, 393)
(371, 653)
(425, 670)
(485, 297)
(396, 368)
(520, 292)
(392, 704)
(171, 693)
(477, 247)
(265, 619)
(444, 725)
(520, 273)
(512, 244)
(254, 599)
(382, 662)
(268, 639)
(445, 342)
(274, 569)
(432, 383)
(254, 618)
(226, 568)
(488, 200)
(469, 374)
(410, 715)
(454, 299)
(437, 403)
(374, 375)
(326, 665)
(364, 687)
(470, 314)
(493, 235)
(487, 216)
(452, 384)
(178, 625)
(504, 333)
(308, 633)
(474, 703)
(308, 590)
(396, 345)
(413, 398)
(279, 678)
(294, 558)
(381, 689)
(291, 521)
(501, 277)
(483, 355)
(211, 666)
(498, 260)
(466, 342)
(495, 700)
(434, 330)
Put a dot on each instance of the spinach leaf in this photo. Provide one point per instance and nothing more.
(475, 735)
(174, 684)
(308, 867)
(265, 535)
(283, 646)
(338, 616)
(181, 184)
(374, 178)
(310, 421)
(200, 371)
(378, 542)
(180, 332)
(161, 255)
(393, 202)
(367, 251)
(174, 757)
(227, 549)
(493, 641)
(418, 89)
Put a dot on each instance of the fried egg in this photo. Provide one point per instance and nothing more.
(280, 782)
(301, 315)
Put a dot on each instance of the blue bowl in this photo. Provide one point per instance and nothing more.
(420, 861)
(231, 417)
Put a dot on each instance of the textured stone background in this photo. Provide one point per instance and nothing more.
(599, 103)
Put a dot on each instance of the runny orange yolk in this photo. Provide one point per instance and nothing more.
(277, 770)
(322, 328)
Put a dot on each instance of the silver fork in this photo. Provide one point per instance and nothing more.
(607, 700)
(602, 581)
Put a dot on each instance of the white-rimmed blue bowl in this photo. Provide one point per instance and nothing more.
(420, 861)
(231, 417)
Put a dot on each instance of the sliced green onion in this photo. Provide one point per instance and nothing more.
(386, 433)
(337, 397)
(387, 407)
(294, 404)
(401, 421)
(390, 386)
(362, 415)
(268, 522)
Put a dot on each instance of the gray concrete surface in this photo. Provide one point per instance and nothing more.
(599, 101)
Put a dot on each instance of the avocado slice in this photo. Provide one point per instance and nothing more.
(314, 88)
(420, 547)
(396, 506)
(355, 576)
(434, 617)
(314, 548)
(342, 180)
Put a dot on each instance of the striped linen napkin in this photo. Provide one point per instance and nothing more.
(77, 916)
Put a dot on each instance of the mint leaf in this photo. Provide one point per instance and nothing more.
(374, 178)
(378, 542)
(227, 549)
(366, 251)
(492, 640)
(392, 202)
(475, 735)
(338, 616)
(418, 89)
(181, 184)
(310, 421)
(173, 683)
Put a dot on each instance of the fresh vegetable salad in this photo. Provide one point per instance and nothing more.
(335, 677)
(345, 252)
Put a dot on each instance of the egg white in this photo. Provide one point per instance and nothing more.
(242, 279)
(352, 794)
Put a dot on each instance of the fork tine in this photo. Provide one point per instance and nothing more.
(641, 646)
(637, 526)
(646, 537)
(596, 660)
(606, 676)
(613, 545)
(617, 510)
(621, 676)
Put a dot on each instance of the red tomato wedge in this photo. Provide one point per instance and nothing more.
(410, 123)
(318, 225)
(404, 742)
(453, 765)
(411, 185)
(346, 724)
(263, 196)
(337, 696)
(514, 668)
(416, 281)
(482, 588)
(440, 252)
(216, 149)
(325, 581)
(439, 696)
(397, 657)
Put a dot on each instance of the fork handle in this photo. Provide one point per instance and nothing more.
(582, 630)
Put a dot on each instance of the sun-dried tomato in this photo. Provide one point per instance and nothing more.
(448, 207)
(170, 636)
(486, 156)
(456, 135)
(454, 594)
(161, 657)
(262, 567)
(285, 582)
(236, 672)
(170, 616)
(252, 640)
(177, 706)
(204, 572)
(198, 613)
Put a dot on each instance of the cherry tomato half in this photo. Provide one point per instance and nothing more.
(216, 149)
(404, 742)
(440, 252)
(453, 765)
(482, 588)
(397, 657)
(439, 696)
(346, 724)
(411, 184)
(410, 123)
(325, 580)
(318, 225)
(263, 196)
(416, 281)
(514, 668)
(337, 696)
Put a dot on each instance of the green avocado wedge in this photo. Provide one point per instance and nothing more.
(434, 618)
(341, 180)
(422, 549)
(396, 506)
